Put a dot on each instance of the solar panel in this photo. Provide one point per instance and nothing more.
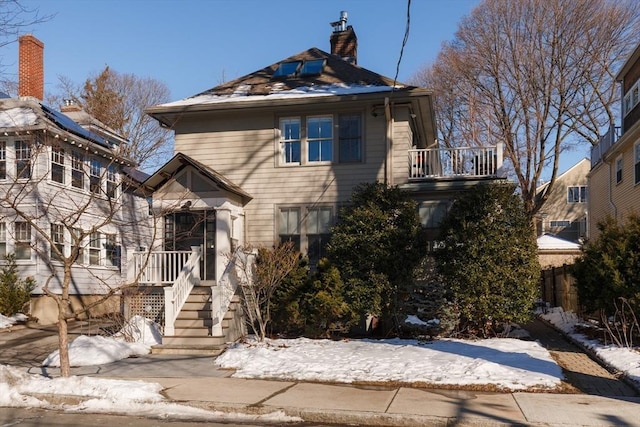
(69, 125)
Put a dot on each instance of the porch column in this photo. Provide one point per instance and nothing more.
(223, 240)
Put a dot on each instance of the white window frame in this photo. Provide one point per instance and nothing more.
(582, 193)
(631, 98)
(619, 169)
(22, 158)
(320, 139)
(57, 161)
(95, 248)
(111, 182)
(3, 159)
(22, 237)
(3, 240)
(58, 240)
(95, 175)
(286, 138)
(77, 170)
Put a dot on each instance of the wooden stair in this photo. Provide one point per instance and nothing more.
(193, 327)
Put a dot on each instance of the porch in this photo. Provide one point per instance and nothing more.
(456, 162)
(196, 316)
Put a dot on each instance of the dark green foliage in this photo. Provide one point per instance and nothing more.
(327, 310)
(376, 245)
(609, 267)
(489, 258)
(432, 302)
(14, 292)
(288, 318)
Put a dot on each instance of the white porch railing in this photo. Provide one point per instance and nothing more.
(429, 163)
(157, 268)
(238, 272)
(176, 295)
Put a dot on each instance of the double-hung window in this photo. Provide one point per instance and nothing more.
(57, 164)
(320, 139)
(112, 185)
(577, 194)
(3, 159)
(619, 169)
(350, 138)
(57, 242)
(94, 248)
(289, 226)
(77, 169)
(3, 240)
(76, 245)
(112, 251)
(95, 172)
(636, 156)
(318, 234)
(290, 140)
(22, 240)
(23, 159)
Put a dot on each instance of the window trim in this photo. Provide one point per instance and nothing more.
(57, 235)
(22, 242)
(619, 169)
(3, 159)
(320, 139)
(283, 141)
(58, 162)
(24, 165)
(582, 194)
(631, 98)
(3, 240)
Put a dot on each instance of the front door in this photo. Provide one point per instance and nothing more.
(185, 229)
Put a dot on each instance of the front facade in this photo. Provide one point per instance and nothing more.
(565, 212)
(301, 134)
(614, 180)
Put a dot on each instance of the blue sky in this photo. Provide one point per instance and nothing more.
(193, 45)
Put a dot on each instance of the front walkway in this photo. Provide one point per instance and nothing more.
(582, 372)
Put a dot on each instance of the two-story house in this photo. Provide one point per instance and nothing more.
(64, 187)
(614, 179)
(565, 212)
(272, 155)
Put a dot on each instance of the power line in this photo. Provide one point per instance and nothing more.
(404, 43)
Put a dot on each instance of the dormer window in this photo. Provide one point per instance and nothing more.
(312, 67)
(287, 69)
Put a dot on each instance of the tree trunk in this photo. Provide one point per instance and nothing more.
(63, 343)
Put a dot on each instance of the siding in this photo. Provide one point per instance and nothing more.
(242, 146)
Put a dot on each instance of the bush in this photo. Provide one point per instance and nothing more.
(376, 245)
(288, 316)
(607, 272)
(489, 259)
(14, 292)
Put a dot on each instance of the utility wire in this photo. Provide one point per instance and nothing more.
(404, 43)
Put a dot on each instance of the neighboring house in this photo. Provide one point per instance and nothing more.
(615, 161)
(556, 252)
(565, 211)
(273, 155)
(63, 185)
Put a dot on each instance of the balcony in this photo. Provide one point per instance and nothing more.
(458, 162)
(606, 141)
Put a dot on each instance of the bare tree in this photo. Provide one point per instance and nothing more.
(77, 224)
(118, 100)
(536, 75)
(15, 18)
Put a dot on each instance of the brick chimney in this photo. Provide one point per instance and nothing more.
(31, 67)
(344, 42)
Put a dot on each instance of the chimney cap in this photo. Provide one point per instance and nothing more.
(341, 24)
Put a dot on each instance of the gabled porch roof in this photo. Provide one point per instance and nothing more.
(179, 161)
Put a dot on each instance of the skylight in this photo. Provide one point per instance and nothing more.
(286, 69)
(312, 68)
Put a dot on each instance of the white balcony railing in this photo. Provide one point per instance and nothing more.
(431, 163)
(176, 295)
(238, 272)
(156, 268)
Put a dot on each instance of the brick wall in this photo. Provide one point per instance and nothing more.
(31, 67)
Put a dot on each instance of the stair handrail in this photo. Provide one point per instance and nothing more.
(238, 272)
(176, 295)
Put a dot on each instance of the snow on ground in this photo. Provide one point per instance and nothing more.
(506, 363)
(624, 360)
(6, 322)
(20, 389)
(135, 338)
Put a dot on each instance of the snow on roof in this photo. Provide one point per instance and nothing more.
(17, 117)
(299, 92)
(551, 242)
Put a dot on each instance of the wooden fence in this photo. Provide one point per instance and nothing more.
(558, 288)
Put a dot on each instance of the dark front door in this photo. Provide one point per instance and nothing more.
(193, 228)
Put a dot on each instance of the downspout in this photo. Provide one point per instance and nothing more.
(388, 173)
(614, 209)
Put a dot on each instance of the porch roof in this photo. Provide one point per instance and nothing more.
(179, 161)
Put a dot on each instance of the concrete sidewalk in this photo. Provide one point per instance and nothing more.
(196, 381)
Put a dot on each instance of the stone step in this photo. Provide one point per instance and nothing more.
(206, 350)
(194, 340)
